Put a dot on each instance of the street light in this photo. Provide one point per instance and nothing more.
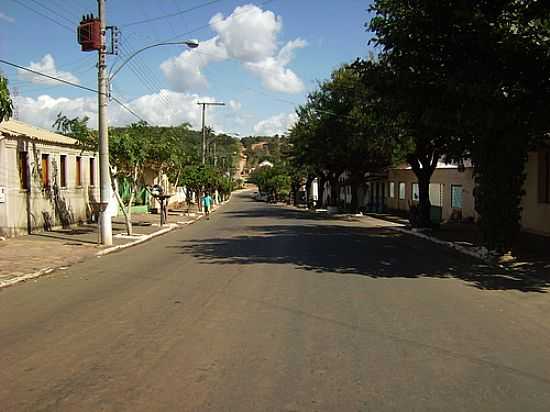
(192, 44)
(104, 79)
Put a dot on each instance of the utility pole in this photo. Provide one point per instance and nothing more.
(204, 104)
(105, 225)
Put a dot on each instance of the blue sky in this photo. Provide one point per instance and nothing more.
(261, 58)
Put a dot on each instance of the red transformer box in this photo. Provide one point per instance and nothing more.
(89, 33)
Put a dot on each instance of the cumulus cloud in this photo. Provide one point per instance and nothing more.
(235, 105)
(47, 66)
(42, 111)
(274, 73)
(185, 71)
(7, 18)
(248, 35)
(278, 124)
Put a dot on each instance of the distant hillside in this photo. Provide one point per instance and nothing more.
(260, 148)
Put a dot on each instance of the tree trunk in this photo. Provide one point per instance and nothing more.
(309, 202)
(321, 189)
(295, 188)
(424, 205)
(423, 167)
(354, 195)
(334, 191)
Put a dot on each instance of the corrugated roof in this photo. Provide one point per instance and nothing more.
(440, 165)
(19, 129)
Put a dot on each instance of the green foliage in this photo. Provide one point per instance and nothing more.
(77, 128)
(6, 104)
(272, 180)
(339, 129)
(271, 148)
(469, 78)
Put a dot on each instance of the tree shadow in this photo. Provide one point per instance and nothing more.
(352, 250)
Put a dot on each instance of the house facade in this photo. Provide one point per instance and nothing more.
(451, 190)
(46, 181)
(535, 215)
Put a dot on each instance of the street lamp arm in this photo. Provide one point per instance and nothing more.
(188, 43)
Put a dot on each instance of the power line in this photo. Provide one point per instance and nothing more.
(48, 76)
(200, 6)
(44, 15)
(205, 26)
(55, 12)
(115, 99)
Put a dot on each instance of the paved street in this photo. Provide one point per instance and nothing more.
(267, 308)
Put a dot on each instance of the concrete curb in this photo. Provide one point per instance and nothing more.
(136, 242)
(398, 227)
(28, 276)
(104, 252)
(459, 248)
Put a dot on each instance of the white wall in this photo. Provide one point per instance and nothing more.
(71, 204)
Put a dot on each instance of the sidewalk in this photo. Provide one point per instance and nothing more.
(530, 255)
(40, 253)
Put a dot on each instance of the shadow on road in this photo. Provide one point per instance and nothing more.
(346, 249)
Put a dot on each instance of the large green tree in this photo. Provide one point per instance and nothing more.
(338, 130)
(468, 78)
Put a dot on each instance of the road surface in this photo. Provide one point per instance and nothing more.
(266, 308)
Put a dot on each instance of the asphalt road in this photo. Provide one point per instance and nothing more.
(265, 308)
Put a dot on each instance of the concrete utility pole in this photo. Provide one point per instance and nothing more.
(105, 225)
(204, 104)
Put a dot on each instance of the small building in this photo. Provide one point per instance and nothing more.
(535, 216)
(451, 189)
(46, 180)
(265, 163)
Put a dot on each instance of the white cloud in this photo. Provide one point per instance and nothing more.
(235, 105)
(185, 71)
(42, 111)
(248, 35)
(278, 124)
(47, 66)
(275, 76)
(7, 18)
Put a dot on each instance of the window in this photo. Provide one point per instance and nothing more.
(401, 190)
(45, 171)
(436, 198)
(63, 171)
(23, 170)
(456, 196)
(544, 176)
(92, 171)
(392, 190)
(415, 192)
(78, 180)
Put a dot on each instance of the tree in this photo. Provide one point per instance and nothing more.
(338, 130)
(469, 78)
(274, 181)
(6, 104)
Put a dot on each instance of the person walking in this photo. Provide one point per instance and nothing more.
(207, 204)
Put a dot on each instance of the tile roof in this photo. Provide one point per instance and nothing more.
(15, 128)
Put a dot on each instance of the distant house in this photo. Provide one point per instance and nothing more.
(46, 181)
(265, 163)
(535, 216)
(260, 146)
(451, 189)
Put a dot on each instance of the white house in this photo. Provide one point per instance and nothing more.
(46, 181)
